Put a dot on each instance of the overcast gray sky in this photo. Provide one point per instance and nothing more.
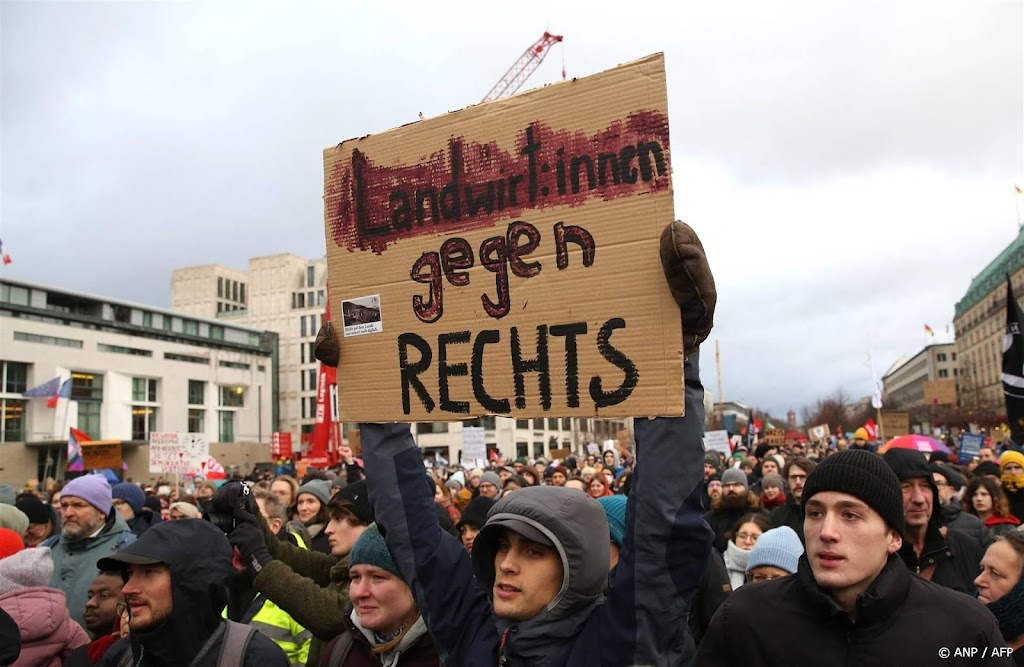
(848, 165)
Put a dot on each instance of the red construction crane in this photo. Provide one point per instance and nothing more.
(521, 70)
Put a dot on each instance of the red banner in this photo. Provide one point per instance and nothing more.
(281, 445)
(326, 433)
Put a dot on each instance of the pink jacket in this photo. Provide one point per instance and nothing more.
(47, 632)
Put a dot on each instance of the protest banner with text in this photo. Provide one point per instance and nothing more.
(504, 260)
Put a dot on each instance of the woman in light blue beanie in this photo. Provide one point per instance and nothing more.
(776, 554)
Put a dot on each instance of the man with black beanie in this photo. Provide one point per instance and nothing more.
(852, 596)
(943, 556)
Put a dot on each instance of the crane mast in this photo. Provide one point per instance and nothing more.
(521, 70)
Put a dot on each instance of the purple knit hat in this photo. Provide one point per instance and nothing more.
(93, 489)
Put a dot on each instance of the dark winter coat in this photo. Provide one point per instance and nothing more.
(199, 557)
(791, 514)
(714, 590)
(969, 525)
(642, 618)
(900, 620)
(419, 652)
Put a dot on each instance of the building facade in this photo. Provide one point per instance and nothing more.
(904, 383)
(980, 321)
(133, 369)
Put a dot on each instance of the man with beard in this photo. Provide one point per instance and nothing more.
(792, 513)
(90, 530)
(175, 585)
(737, 500)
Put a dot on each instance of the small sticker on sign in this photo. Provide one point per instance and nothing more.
(361, 316)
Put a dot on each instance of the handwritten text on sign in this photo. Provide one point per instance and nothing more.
(510, 256)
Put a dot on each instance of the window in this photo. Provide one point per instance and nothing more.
(12, 420)
(312, 379)
(220, 307)
(216, 332)
(234, 364)
(302, 326)
(943, 373)
(552, 424)
(522, 450)
(16, 295)
(144, 390)
(186, 357)
(310, 276)
(954, 356)
(15, 376)
(86, 387)
(143, 421)
(191, 328)
(89, 418)
(241, 292)
(220, 287)
(234, 290)
(302, 354)
(321, 298)
(312, 406)
(565, 424)
(196, 421)
(232, 397)
(227, 426)
(309, 352)
(47, 340)
(303, 404)
(538, 449)
(196, 393)
(147, 320)
(941, 356)
(119, 349)
(523, 423)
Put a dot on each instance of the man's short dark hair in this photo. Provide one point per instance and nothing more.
(801, 462)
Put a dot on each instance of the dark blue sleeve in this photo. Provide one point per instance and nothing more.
(665, 547)
(434, 564)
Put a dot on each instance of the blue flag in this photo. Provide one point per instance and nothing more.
(47, 389)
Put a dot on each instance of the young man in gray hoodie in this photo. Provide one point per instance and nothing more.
(533, 591)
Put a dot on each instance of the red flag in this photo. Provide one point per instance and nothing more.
(326, 435)
(872, 428)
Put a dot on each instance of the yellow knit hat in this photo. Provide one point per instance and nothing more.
(861, 434)
(1011, 456)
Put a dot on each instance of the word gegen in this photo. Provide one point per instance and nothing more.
(499, 255)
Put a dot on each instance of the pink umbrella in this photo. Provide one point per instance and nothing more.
(921, 443)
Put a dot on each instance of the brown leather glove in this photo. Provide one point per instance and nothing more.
(690, 281)
(326, 347)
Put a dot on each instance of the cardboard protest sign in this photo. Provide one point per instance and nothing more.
(503, 259)
(940, 392)
(819, 432)
(894, 423)
(593, 448)
(102, 454)
(178, 453)
(717, 441)
(775, 436)
(560, 454)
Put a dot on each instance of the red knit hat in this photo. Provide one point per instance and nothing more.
(10, 542)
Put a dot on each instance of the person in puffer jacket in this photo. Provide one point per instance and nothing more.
(48, 634)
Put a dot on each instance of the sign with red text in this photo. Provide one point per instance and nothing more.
(504, 259)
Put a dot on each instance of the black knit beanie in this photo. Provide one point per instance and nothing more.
(863, 475)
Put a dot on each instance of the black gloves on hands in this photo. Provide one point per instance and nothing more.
(248, 539)
(233, 496)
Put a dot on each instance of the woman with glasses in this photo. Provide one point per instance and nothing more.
(745, 535)
(776, 554)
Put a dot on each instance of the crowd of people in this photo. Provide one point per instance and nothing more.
(660, 555)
